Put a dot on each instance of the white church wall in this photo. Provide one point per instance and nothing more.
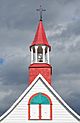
(20, 112)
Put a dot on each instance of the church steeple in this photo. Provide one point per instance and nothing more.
(40, 36)
(40, 48)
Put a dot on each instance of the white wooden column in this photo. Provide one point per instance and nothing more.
(43, 47)
(48, 55)
(36, 47)
(31, 55)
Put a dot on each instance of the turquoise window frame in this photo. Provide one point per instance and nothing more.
(40, 99)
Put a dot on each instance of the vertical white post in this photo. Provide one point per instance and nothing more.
(36, 47)
(43, 47)
(31, 55)
(48, 55)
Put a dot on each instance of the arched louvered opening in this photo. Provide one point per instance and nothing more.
(40, 54)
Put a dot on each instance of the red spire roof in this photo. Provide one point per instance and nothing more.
(40, 36)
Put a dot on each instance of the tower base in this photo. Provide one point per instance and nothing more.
(40, 68)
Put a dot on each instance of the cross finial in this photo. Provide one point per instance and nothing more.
(41, 10)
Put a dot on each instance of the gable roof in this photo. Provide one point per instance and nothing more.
(49, 88)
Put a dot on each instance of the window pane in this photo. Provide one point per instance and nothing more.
(40, 99)
(45, 111)
(34, 111)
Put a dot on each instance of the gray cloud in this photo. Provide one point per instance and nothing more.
(18, 23)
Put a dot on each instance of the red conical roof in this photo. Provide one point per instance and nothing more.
(40, 36)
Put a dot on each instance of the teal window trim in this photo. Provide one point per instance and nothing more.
(40, 99)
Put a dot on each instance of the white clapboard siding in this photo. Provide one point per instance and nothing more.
(59, 113)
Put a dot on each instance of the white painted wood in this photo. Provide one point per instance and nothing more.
(45, 111)
(31, 55)
(36, 47)
(34, 111)
(48, 55)
(18, 113)
(43, 47)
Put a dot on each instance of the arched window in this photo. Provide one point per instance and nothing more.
(40, 107)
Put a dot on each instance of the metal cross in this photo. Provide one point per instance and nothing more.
(41, 10)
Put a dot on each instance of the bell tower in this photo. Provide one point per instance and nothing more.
(40, 49)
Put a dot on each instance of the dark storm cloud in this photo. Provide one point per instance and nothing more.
(22, 14)
(7, 94)
(18, 23)
(15, 73)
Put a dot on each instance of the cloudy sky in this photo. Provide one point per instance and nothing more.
(18, 23)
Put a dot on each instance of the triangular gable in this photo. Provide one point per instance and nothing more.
(49, 88)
